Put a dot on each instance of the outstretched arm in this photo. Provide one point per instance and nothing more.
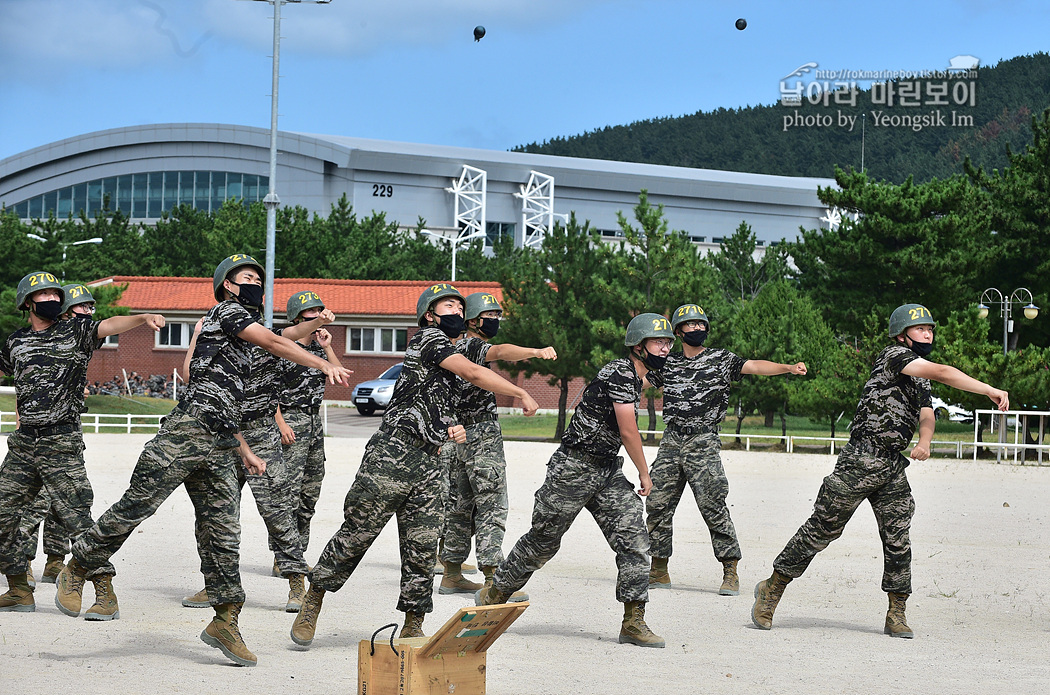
(305, 328)
(957, 379)
(632, 442)
(767, 368)
(489, 380)
(119, 324)
(278, 345)
(505, 352)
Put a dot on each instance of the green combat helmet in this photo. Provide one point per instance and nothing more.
(34, 282)
(688, 312)
(431, 295)
(300, 302)
(908, 315)
(479, 302)
(227, 266)
(645, 326)
(75, 294)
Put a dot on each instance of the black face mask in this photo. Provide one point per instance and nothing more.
(921, 349)
(694, 338)
(451, 325)
(49, 310)
(250, 295)
(654, 362)
(489, 327)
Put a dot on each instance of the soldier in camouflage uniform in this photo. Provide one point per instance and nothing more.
(871, 466)
(478, 468)
(78, 300)
(48, 361)
(197, 446)
(400, 473)
(260, 438)
(299, 417)
(696, 396)
(586, 473)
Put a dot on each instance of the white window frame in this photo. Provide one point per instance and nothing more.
(377, 341)
(187, 334)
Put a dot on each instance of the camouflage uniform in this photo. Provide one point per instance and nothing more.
(448, 459)
(196, 447)
(56, 539)
(871, 466)
(302, 390)
(585, 472)
(400, 474)
(696, 396)
(478, 479)
(47, 450)
(271, 489)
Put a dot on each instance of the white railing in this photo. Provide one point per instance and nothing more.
(999, 425)
(101, 422)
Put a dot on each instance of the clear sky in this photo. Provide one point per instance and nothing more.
(409, 70)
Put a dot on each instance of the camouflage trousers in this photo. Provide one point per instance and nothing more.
(479, 476)
(304, 463)
(575, 482)
(54, 463)
(182, 453)
(272, 492)
(696, 460)
(56, 540)
(447, 490)
(396, 477)
(860, 474)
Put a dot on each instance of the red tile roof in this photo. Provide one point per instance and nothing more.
(344, 297)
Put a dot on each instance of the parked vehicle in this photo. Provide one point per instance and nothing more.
(370, 396)
(952, 413)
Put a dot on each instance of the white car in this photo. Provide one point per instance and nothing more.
(370, 396)
(951, 413)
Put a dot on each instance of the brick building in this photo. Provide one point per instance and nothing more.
(374, 320)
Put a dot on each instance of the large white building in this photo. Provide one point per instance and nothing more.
(146, 170)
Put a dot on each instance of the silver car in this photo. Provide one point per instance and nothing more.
(370, 396)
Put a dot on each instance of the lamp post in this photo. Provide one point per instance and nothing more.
(455, 244)
(995, 296)
(271, 201)
(66, 245)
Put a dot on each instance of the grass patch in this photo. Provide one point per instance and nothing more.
(103, 405)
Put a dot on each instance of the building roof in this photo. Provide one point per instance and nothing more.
(344, 297)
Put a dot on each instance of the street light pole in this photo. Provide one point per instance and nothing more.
(994, 296)
(66, 245)
(271, 201)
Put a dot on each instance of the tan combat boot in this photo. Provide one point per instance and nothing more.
(29, 575)
(224, 634)
(489, 595)
(453, 581)
(19, 597)
(730, 579)
(296, 593)
(516, 597)
(69, 588)
(896, 625)
(306, 622)
(198, 600)
(54, 565)
(659, 578)
(767, 596)
(634, 630)
(105, 606)
(276, 571)
(413, 625)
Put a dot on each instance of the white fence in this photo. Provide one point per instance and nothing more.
(100, 422)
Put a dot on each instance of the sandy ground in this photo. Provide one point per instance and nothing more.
(981, 540)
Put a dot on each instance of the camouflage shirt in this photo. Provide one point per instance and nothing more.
(593, 427)
(303, 387)
(50, 369)
(470, 402)
(421, 402)
(888, 411)
(263, 384)
(219, 367)
(696, 389)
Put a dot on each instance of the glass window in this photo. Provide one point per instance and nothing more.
(36, 207)
(171, 190)
(377, 340)
(139, 187)
(123, 199)
(234, 186)
(494, 231)
(94, 197)
(156, 193)
(202, 191)
(111, 341)
(109, 193)
(50, 203)
(65, 202)
(218, 190)
(185, 188)
(22, 210)
(174, 335)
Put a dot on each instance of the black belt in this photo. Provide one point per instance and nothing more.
(487, 417)
(868, 446)
(258, 423)
(312, 409)
(409, 438)
(38, 432)
(586, 457)
(690, 430)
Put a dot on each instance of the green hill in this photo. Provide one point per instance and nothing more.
(757, 139)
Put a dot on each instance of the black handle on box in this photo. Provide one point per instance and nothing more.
(373, 642)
